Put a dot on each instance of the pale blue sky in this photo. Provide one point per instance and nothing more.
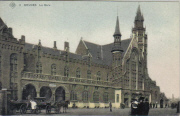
(95, 22)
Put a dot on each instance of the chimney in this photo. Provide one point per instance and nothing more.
(55, 47)
(66, 46)
(22, 40)
(23, 37)
(10, 30)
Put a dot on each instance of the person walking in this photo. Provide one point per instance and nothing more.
(140, 107)
(110, 106)
(134, 108)
(156, 104)
(146, 107)
(153, 105)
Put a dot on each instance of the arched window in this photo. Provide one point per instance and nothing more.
(134, 64)
(13, 65)
(89, 74)
(66, 71)
(78, 73)
(98, 76)
(96, 96)
(73, 95)
(85, 96)
(38, 67)
(105, 97)
(53, 69)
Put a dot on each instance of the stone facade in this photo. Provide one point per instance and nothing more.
(93, 76)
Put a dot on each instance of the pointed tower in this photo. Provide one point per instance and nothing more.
(139, 19)
(117, 49)
(139, 33)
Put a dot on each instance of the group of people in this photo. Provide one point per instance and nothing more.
(153, 105)
(140, 107)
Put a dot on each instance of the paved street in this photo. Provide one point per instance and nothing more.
(105, 111)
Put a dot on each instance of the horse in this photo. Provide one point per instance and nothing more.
(58, 104)
(63, 104)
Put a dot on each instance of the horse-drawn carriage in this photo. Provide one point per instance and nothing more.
(34, 106)
(39, 103)
(22, 106)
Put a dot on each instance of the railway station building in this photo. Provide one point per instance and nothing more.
(92, 76)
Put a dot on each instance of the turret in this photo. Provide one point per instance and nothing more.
(117, 49)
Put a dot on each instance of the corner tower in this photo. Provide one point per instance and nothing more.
(117, 49)
(139, 33)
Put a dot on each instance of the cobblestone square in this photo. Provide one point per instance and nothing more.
(106, 111)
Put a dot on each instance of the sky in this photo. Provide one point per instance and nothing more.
(95, 22)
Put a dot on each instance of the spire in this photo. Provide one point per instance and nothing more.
(139, 16)
(39, 44)
(1, 22)
(117, 30)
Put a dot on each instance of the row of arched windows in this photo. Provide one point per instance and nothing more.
(66, 71)
(85, 96)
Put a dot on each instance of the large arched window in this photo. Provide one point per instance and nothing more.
(134, 64)
(13, 74)
(73, 95)
(96, 96)
(66, 71)
(13, 64)
(89, 74)
(105, 97)
(38, 67)
(85, 96)
(98, 76)
(78, 73)
(53, 69)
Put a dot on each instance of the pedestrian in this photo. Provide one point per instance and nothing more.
(156, 104)
(150, 105)
(153, 105)
(166, 105)
(110, 106)
(146, 107)
(140, 107)
(178, 107)
(134, 107)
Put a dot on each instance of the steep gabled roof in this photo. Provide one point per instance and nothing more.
(104, 51)
(101, 54)
(52, 51)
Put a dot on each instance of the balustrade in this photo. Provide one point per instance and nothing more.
(36, 76)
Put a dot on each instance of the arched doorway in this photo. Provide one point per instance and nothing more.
(29, 92)
(59, 94)
(126, 99)
(161, 103)
(45, 92)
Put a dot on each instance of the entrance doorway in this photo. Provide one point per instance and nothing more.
(126, 102)
(59, 94)
(45, 92)
(29, 92)
(161, 103)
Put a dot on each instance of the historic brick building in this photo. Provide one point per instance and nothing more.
(93, 76)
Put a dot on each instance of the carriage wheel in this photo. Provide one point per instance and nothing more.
(23, 109)
(48, 109)
(37, 110)
(57, 110)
